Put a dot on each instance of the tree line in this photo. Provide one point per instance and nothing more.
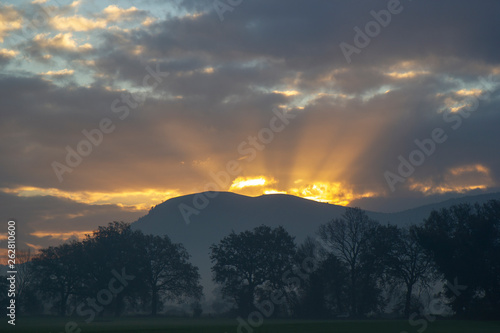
(355, 267)
(111, 271)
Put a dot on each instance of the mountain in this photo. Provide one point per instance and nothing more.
(417, 215)
(233, 212)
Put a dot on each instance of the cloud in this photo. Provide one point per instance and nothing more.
(77, 23)
(109, 15)
(114, 13)
(61, 41)
(131, 200)
(10, 20)
(6, 55)
(62, 72)
(43, 47)
(46, 220)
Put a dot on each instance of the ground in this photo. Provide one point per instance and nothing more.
(172, 325)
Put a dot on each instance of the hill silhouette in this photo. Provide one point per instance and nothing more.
(233, 212)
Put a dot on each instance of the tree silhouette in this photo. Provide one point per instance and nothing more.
(59, 272)
(140, 266)
(167, 272)
(250, 265)
(348, 239)
(324, 291)
(407, 262)
(464, 241)
(115, 247)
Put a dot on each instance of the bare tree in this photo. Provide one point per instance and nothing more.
(25, 273)
(348, 238)
(409, 264)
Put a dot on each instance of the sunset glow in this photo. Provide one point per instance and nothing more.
(241, 182)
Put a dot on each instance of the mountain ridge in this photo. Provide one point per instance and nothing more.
(229, 212)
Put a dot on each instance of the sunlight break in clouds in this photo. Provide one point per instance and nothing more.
(133, 200)
(60, 235)
(242, 182)
(334, 193)
(458, 180)
(61, 72)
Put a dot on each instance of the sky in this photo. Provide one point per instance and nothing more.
(111, 107)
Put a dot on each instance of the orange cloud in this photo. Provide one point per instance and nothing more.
(334, 193)
(133, 200)
(458, 179)
(59, 235)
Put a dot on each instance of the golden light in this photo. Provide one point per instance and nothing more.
(406, 70)
(470, 168)
(130, 200)
(458, 179)
(61, 72)
(334, 193)
(115, 13)
(76, 23)
(242, 182)
(61, 235)
(406, 75)
(469, 92)
(8, 53)
(10, 19)
(208, 70)
(274, 192)
(287, 93)
(429, 189)
(148, 21)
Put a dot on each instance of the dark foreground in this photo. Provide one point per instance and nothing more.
(157, 325)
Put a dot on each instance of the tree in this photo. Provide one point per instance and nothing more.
(24, 274)
(323, 291)
(59, 272)
(464, 242)
(167, 272)
(408, 263)
(115, 247)
(348, 239)
(250, 265)
(26, 295)
(4, 286)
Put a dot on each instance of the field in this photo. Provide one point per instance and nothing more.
(158, 325)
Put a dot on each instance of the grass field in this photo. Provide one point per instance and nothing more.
(157, 325)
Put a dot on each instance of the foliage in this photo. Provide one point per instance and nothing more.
(251, 264)
(464, 241)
